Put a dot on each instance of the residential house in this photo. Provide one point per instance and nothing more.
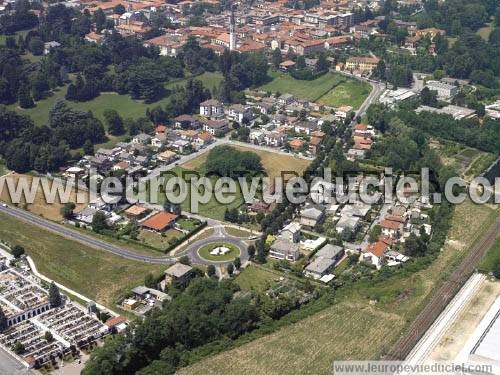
(286, 65)
(167, 156)
(305, 127)
(215, 127)
(291, 232)
(274, 138)
(159, 140)
(362, 63)
(142, 139)
(186, 122)
(203, 139)
(297, 144)
(322, 191)
(349, 223)
(179, 274)
(285, 99)
(135, 212)
(238, 113)
(310, 217)
(160, 222)
(211, 108)
(392, 227)
(283, 249)
(375, 253)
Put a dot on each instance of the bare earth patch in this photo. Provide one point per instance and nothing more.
(466, 322)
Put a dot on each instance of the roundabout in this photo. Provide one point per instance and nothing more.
(219, 252)
(228, 248)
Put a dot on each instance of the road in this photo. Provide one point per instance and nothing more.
(82, 238)
(10, 366)
(219, 235)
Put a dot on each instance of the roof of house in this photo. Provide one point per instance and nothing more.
(390, 224)
(284, 246)
(115, 321)
(320, 265)
(160, 221)
(329, 251)
(135, 210)
(178, 270)
(311, 213)
(378, 248)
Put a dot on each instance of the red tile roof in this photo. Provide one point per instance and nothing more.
(160, 221)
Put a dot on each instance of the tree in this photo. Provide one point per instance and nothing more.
(114, 122)
(301, 63)
(88, 148)
(36, 46)
(17, 251)
(428, 97)
(24, 96)
(18, 347)
(237, 263)
(99, 222)
(48, 336)
(54, 295)
(211, 270)
(496, 268)
(375, 232)
(3, 320)
(150, 281)
(276, 58)
(119, 9)
(322, 63)
(230, 269)
(251, 251)
(67, 210)
(185, 260)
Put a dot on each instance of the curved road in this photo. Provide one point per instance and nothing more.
(219, 235)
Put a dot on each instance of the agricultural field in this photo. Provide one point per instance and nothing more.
(379, 311)
(272, 162)
(39, 205)
(124, 104)
(96, 274)
(331, 89)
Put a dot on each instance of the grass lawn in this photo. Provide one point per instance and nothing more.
(237, 232)
(255, 277)
(354, 327)
(204, 252)
(213, 209)
(492, 256)
(307, 90)
(96, 274)
(274, 164)
(124, 104)
(484, 32)
(187, 224)
(157, 240)
(331, 89)
(350, 92)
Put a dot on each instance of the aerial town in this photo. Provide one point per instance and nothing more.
(270, 91)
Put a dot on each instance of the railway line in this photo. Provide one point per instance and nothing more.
(444, 295)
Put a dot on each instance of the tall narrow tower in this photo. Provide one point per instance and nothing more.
(232, 31)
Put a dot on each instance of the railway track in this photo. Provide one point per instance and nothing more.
(444, 295)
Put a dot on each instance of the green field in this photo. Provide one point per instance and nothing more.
(94, 273)
(204, 252)
(350, 92)
(124, 104)
(331, 88)
(213, 209)
(255, 277)
(491, 258)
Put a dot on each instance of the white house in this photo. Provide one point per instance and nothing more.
(238, 113)
(211, 108)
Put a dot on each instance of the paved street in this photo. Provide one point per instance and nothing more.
(10, 366)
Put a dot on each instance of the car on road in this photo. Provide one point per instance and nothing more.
(4, 205)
